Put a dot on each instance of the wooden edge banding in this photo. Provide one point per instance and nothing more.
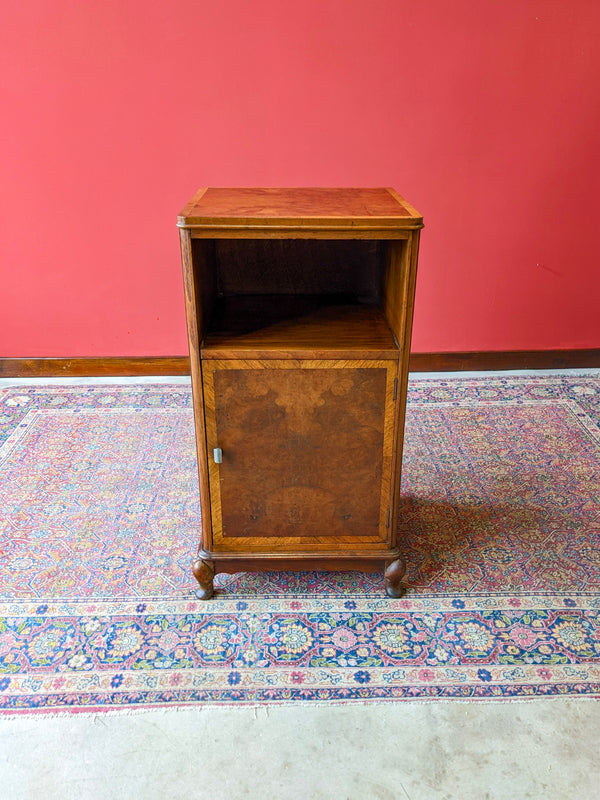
(132, 366)
(300, 232)
(380, 554)
(185, 211)
(411, 209)
(224, 564)
(241, 354)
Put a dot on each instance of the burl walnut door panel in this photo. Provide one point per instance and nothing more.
(306, 453)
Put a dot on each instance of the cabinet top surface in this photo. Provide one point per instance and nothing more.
(316, 207)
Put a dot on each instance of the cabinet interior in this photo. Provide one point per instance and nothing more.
(319, 289)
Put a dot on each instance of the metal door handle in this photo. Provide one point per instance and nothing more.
(218, 455)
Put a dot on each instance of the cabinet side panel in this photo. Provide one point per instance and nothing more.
(193, 308)
(394, 286)
(205, 283)
(401, 291)
(398, 291)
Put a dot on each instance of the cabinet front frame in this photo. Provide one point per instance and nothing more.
(217, 542)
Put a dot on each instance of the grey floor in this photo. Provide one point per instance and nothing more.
(541, 748)
(428, 751)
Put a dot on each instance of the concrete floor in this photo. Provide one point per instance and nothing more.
(542, 748)
(410, 751)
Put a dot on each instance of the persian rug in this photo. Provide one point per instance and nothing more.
(100, 517)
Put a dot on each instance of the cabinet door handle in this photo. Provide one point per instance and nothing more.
(218, 455)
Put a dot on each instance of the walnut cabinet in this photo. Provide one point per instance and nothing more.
(299, 311)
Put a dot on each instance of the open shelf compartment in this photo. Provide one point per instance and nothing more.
(274, 298)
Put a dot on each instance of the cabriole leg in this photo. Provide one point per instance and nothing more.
(393, 575)
(204, 572)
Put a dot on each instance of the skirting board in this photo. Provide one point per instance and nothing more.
(180, 365)
(93, 367)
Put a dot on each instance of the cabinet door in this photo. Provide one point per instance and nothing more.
(306, 452)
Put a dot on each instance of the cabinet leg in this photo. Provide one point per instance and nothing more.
(393, 575)
(204, 572)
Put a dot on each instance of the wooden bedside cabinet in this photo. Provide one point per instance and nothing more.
(299, 311)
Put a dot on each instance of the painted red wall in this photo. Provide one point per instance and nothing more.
(485, 115)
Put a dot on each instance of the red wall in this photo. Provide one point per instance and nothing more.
(485, 115)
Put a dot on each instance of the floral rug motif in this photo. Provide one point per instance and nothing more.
(99, 519)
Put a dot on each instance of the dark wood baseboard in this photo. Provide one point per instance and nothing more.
(504, 360)
(180, 365)
(93, 367)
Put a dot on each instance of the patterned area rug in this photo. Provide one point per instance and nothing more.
(99, 518)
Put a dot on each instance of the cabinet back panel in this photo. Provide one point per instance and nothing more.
(300, 266)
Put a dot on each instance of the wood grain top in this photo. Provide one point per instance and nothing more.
(299, 207)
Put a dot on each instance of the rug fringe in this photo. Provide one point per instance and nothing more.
(97, 717)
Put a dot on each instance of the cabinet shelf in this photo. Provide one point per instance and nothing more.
(297, 326)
